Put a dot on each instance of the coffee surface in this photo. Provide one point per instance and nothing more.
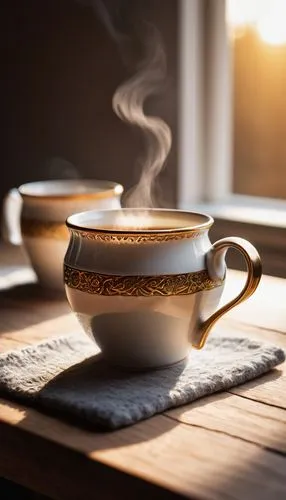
(132, 228)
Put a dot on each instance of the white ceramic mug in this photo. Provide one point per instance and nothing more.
(35, 215)
(145, 284)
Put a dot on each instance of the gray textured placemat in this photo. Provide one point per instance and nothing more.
(65, 377)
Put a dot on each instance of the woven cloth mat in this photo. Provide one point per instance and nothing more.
(65, 376)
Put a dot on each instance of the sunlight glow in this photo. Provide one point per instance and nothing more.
(242, 12)
(268, 17)
(271, 25)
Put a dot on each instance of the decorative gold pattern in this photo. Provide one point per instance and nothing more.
(135, 286)
(33, 228)
(254, 274)
(136, 237)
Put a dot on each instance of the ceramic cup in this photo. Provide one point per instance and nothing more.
(145, 285)
(35, 215)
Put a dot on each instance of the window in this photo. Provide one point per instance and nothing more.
(233, 119)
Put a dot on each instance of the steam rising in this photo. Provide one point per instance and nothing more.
(123, 19)
(128, 102)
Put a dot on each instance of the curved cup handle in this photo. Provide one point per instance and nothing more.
(216, 268)
(11, 226)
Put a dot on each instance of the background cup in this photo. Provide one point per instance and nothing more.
(35, 214)
(146, 284)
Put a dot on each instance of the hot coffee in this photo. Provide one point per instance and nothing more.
(146, 294)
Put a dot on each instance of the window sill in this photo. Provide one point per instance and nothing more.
(261, 221)
(248, 210)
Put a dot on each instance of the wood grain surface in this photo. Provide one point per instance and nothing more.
(230, 445)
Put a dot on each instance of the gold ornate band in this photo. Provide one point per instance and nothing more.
(135, 286)
(134, 237)
(44, 229)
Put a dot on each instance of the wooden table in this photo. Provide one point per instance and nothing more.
(231, 445)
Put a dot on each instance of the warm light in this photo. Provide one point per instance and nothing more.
(268, 17)
(118, 189)
(239, 13)
(271, 25)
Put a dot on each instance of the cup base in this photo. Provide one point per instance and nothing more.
(143, 369)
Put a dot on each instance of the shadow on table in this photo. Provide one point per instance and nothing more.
(28, 304)
(32, 291)
(94, 394)
(97, 398)
(12, 491)
(229, 465)
(57, 400)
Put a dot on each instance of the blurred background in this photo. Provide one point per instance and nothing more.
(60, 68)
(224, 100)
(258, 32)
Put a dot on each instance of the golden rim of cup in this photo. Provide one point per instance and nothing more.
(107, 189)
(140, 231)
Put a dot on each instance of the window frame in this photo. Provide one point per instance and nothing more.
(206, 135)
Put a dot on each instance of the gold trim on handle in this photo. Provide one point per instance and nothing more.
(254, 268)
(143, 286)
